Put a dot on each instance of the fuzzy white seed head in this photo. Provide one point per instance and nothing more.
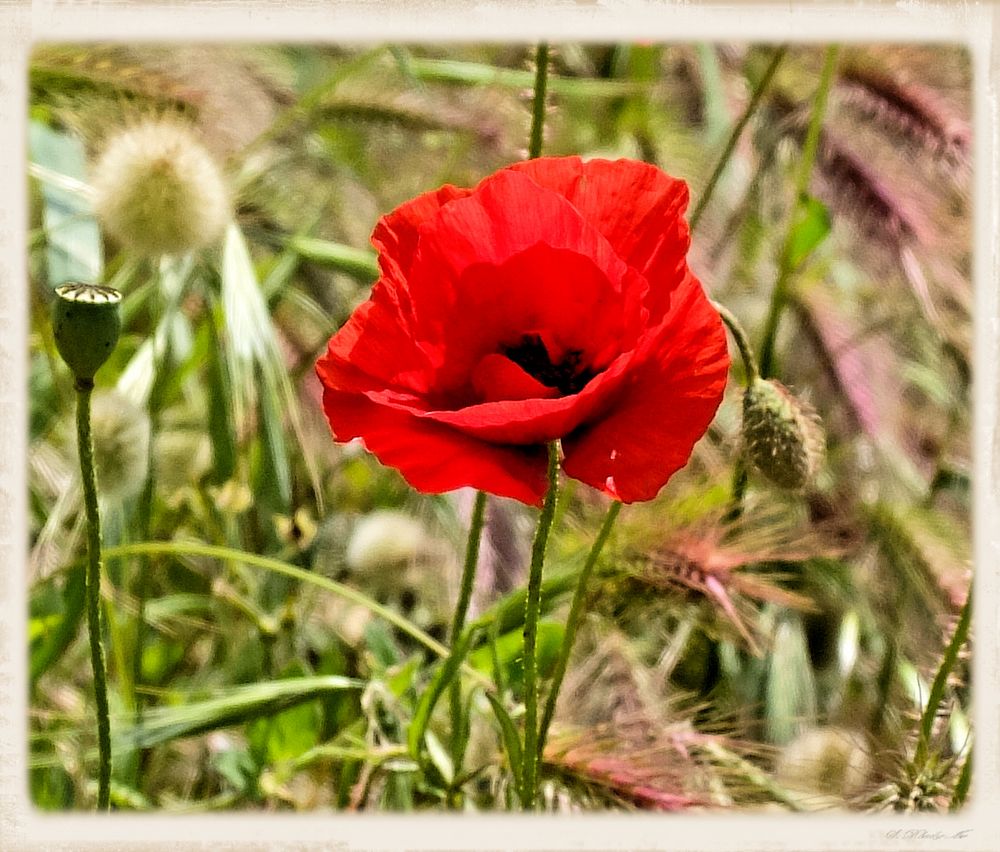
(385, 539)
(826, 761)
(398, 561)
(158, 191)
(121, 432)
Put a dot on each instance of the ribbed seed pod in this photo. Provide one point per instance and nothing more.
(86, 321)
(782, 435)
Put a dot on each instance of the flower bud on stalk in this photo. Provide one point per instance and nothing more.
(782, 435)
(86, 323)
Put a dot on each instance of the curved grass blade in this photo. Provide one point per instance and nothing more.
(178, 548)
(233, 707)
(508, 730)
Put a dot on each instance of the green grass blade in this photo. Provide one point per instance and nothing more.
(358, 263)
(234, 707)
(54, 643)
(941, 681)
(478, 74)
(180, 548)
(508, 730)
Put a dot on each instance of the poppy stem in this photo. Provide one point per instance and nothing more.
(84, 389)
(538, 103)
(576, 611)
(458, 620)
(742, 341)
(529, 778)
(734, 137)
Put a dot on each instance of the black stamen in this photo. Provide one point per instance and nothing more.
(532, 357)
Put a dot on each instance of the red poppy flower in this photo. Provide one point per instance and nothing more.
(551, 301)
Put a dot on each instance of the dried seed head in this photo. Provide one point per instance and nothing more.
(86, 322)
(827, 761)
(782, 435)
(385, 539)
(910, 110)
(157, 190)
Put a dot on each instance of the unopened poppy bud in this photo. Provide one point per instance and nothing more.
(158, 191)
(86, 321)
(782, 435)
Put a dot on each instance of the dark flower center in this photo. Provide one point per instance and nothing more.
(533, 357)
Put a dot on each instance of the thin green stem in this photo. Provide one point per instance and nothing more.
(538, 103)
(84, 389)
(739, 486)
(742, 341)
(779, 296)
(531, 613)
(458, 620)
(739, 489)
(469, 569)
(962, 785)
(576, 611)
(941, 681)
(734, 137)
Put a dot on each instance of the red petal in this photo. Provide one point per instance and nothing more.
(512, 258)
(537, 421)
(638, 208)
(434, 458)
(666, 406)
(375, 342)
(498, 378)
(396, 234)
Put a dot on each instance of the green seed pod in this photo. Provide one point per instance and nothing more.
(87, 321)
(782, 435)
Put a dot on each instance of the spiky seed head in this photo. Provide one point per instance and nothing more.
(86, 322)
(782, 435)
(158, 191)
(121, 433)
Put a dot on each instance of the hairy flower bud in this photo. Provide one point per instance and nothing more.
(158, 191)
(86, 322)
(782, 435)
